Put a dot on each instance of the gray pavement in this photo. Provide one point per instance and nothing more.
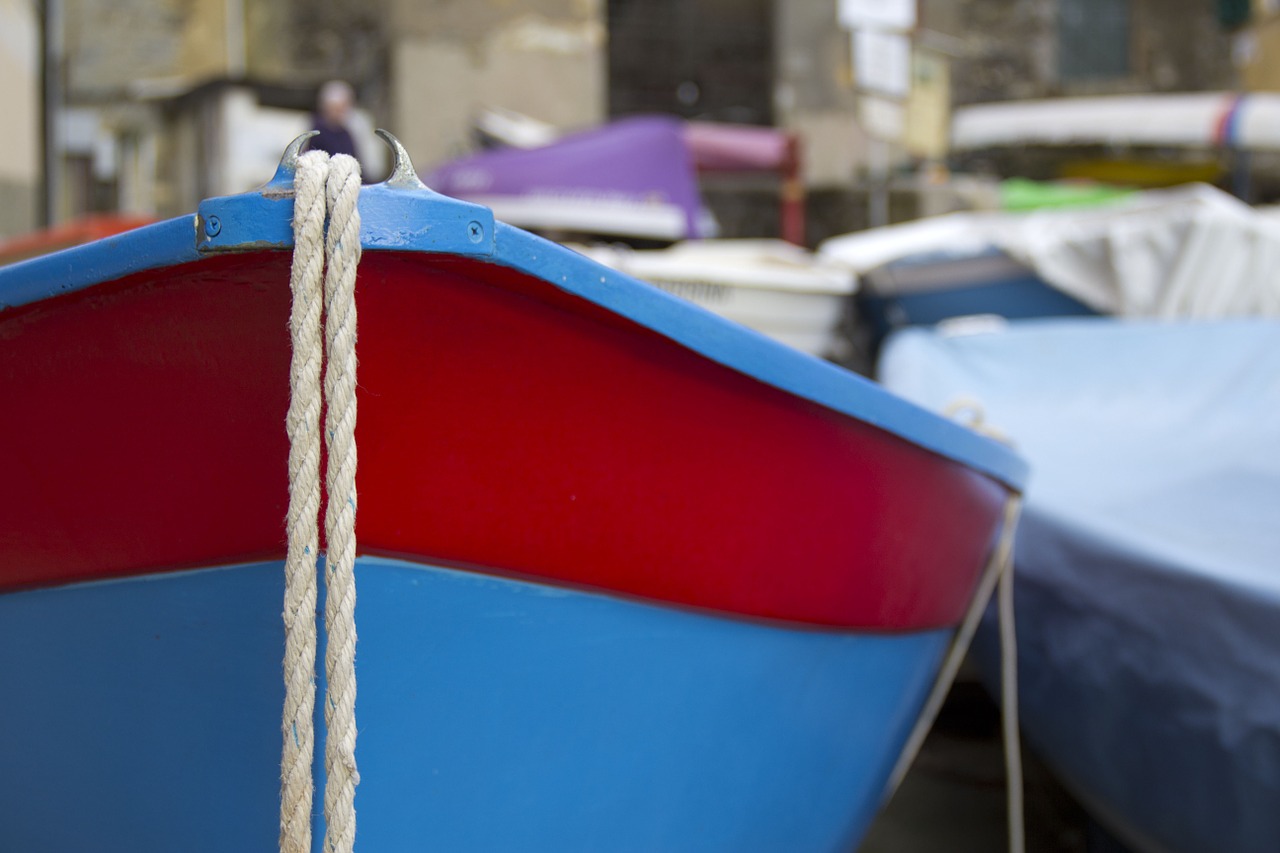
(953, 798)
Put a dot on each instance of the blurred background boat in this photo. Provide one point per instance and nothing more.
(635, 177)
(1147, 593)
(771, 286)
(1187, 252)
(83, 230)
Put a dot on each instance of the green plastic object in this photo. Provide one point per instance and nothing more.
(1024, 194)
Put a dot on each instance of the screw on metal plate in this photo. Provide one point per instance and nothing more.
(475, 231)
(402, 174)
(212, 226)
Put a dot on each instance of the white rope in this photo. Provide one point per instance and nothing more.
(1009, 708)
(321, 185)
(999, 570)
(1003, 561)
(998, 563)
(303, 426)
(343, 254)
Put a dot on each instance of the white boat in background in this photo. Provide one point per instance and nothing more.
(1188, 252)
(1204, 120)
(771, 286)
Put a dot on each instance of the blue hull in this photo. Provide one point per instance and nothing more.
(144, 715)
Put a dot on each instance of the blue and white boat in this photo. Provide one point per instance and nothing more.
(1193, 251)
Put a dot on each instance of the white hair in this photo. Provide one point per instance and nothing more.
(336, 92)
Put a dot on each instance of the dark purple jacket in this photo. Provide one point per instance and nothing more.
(335, 139)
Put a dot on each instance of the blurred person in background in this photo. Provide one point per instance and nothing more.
(334, 106)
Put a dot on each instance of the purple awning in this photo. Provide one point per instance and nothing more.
(632, 177)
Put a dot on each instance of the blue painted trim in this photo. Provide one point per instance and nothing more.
(150, 247)
(494, 715)
(413, 218)
(402, 218)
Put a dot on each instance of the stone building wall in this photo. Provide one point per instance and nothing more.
(424, 68)
(449, 59)
(20, 106)
(1014, 49)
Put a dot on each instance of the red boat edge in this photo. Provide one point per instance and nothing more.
(523, 411)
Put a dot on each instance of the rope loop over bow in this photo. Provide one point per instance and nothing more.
(322, 281)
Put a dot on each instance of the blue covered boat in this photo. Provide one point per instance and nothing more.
(941, 268)
(1148, 560)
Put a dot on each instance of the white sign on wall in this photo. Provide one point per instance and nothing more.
(882, 62)
(898, 15)
(882, 118)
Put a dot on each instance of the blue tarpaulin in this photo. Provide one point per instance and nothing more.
(1148, 560)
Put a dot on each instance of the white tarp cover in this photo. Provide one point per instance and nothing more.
(1201, 120)
(1193, 251)
(1148, 560)
(1191, 120)
(948, 235)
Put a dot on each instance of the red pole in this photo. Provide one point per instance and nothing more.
(793, 195)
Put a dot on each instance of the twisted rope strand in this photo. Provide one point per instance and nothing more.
(302, 424)
(343, 253)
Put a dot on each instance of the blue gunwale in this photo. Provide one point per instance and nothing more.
(406, 218)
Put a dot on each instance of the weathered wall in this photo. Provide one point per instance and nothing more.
(111, 44)
(699, 59)
(1180, 46)
(424, 68)
(1259, 54)
(450, 59)
(813, 91)
(20, 106)
(114, 44)
(1011, 49)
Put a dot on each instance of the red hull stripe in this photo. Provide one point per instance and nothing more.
(504, 425)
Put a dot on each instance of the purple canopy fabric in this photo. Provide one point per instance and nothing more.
(632, 177)
(739, 147)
